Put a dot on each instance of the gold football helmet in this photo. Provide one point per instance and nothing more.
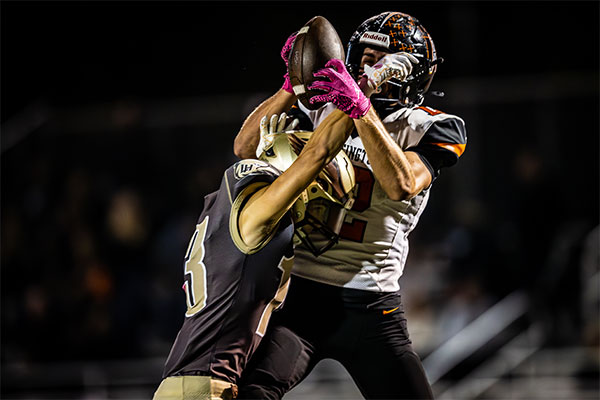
(320, 209)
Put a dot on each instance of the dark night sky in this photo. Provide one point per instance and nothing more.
(75, 52)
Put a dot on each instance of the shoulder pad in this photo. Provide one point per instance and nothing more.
(244, 168)
(245, 172)
(421, 118)
(410, 126)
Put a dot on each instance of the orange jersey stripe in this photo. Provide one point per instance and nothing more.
(457, 149)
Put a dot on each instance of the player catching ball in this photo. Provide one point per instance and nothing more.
(345, 304)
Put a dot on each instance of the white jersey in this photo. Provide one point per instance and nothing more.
(373, 244)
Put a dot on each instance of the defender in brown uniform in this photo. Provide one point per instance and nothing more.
(237, 265)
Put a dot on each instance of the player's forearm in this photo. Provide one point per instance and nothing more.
(323, 146)
(246, 141)
(391, 166)
(328, 139)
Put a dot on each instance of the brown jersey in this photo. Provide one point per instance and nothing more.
(230, 289)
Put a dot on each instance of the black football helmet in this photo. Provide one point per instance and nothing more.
(394, 32)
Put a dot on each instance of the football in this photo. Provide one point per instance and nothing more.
(316, 43)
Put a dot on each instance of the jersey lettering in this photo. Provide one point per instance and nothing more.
(356, 154)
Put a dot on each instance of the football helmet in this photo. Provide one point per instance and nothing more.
(394, 32)
(320, 209)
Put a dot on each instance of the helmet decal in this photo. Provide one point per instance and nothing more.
(376, 39)
(395, 32)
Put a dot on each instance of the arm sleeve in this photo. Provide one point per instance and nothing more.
(442, 145)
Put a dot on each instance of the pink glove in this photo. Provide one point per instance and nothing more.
(342, 91)
(285, 54)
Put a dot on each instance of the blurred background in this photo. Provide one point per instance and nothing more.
(119, 117)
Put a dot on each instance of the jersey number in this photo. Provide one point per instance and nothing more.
(195, 271)
(355, 230)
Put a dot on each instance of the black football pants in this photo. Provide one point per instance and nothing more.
(365, 331)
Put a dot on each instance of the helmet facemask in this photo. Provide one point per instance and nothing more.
(319, 227)
(319, 211)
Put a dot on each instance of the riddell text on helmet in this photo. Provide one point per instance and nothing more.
(375, 38)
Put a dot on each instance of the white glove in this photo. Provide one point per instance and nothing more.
(276, 124)
(396, 65)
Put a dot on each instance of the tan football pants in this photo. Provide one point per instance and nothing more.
(195, 388)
